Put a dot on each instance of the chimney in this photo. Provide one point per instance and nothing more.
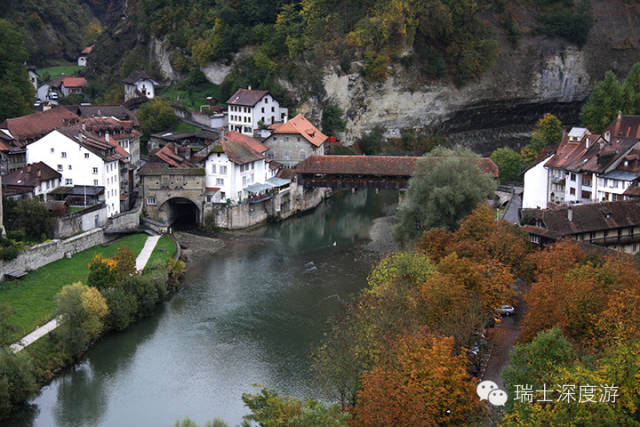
(588, 142)
(249, 88)
(84, 126)
(570, 214)
(106, 136)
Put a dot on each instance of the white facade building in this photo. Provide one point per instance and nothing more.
(234, 165)
(249, 109)
(139, 84)
(82, 159)
(535, 186)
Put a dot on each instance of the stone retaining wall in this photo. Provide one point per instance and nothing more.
(54, 250)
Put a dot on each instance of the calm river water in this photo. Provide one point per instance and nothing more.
(250, 314)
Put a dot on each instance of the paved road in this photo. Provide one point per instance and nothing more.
(511, 214)
(141, 261)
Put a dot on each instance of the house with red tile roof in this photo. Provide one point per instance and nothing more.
(249, 109)
(587, 167)
(82, 58)
(36, 180)
(294, 141)
(73, 85)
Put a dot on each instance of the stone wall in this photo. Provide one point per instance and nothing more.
(54, 250)
(84, 220)
(125, 221)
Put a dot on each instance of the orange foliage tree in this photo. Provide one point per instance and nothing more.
(422, 382)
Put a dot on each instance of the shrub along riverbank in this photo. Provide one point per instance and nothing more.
(114, 297)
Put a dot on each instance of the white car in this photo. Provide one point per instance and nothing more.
(505, 310)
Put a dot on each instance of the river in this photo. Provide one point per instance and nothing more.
(249, 314)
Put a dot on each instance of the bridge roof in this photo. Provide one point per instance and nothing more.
(372, 165)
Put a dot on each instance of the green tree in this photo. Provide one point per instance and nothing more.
(16, 90)
(32, 216)
(155, 116)
(445, 187)
(603, 105)
(6, 326)
(509, 163)
(332, 121)
(269, 409)
(80, 310)
(371, 142)
(17, 380)
(547, 133)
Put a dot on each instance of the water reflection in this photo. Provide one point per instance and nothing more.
(250, 314)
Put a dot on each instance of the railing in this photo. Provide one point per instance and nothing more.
(625, 238)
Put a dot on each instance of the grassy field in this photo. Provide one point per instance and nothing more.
(32, 297)
(192, 98)
(59, 68)
(163, 251)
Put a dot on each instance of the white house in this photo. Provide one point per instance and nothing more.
(535, 186)
(82, 159)
(233, 165)
(139, 84)
(73, 85)
(82, 59)
(248, 109)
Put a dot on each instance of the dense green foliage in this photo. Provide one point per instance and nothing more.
(610, 97)
(16, 91)
(30, 216)
(547, 133)
(371, 142)
(445, 187)
(17, 381)
(332, 121)
(155, 116)
(509, 163)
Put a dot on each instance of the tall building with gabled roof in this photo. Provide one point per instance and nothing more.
(249, 109)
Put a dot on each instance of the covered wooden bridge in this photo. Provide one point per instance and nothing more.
(392, 172)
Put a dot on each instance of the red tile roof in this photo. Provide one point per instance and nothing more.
(31, 175)
(301, 126)
(373, 165)
(168, 155)
(34, 126)
(252, 143)
(87, 50)
(242, 149)
(74, 82)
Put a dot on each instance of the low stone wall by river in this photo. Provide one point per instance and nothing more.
(45, 253)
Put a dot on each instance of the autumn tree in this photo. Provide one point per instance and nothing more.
(445, 187)
(546, 133)
(80, 310)
(422, 381)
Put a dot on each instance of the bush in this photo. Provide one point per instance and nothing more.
(19, 235)
(122, 308)
(574, 28)
(8, 253)
(17, 380)
(370, 142)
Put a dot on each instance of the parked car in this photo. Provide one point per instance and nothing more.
(37, 103)
(53, 95)
(505, 310)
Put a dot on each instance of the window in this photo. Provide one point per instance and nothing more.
(252, 165)
(286, 155)
(572, 191)
(592, 236)
(151, 200)
(52, 149)
(63, 154)
(586, 194)
(213, 168)
(535, 239)
(223, 170)
(302, 155)
(60, 167)
(219, 181)
(95, 182)
(263, 111)
(273, 109)
(252, 179)
(615, 183)
(266, 100)
(70, 167)
(586, 181)
(68, 181)
(208, 199)
(631, 232)
(86, 155)
(95, 171)
(244, 181)
(48, 183)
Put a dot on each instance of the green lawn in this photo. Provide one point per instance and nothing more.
(56, 70)
(191, 98)
(162, 252)
(185, 127)
(32, 297)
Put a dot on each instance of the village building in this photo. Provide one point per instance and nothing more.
(33, 180)
(586, 167)
(139, 85)
(173, 194)
(120, 112)
(174, 156)
(73, 86)
(294, 141)
(615, 225)
(196, 141)
(82, 58)
(120, 131)
(82, 159)
(249, 109)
